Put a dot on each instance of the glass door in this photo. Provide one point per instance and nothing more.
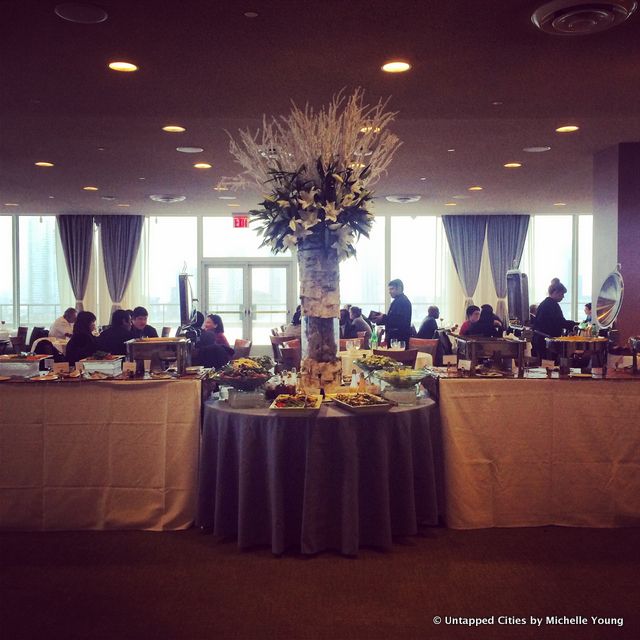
(252, 297)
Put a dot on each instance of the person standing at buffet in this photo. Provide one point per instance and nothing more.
(112, 340)
(397, 321)
(83, 343)
(213, 323)
(140, 328)
(550, 321)
(63, 326)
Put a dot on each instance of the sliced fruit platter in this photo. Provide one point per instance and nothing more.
(370, 363)
(361, 403)
(299, 404)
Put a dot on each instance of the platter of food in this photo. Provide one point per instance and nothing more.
(96, 375)
(300, 404)
(246, 374)
(4, 378)
(47, 377)
(161, 375)
(362, 403)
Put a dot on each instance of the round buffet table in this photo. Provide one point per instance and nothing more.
(332, 481)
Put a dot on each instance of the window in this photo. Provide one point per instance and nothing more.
(222, 240)
(551, 239)
(585, 260)
(172, 245)
(6, 270)
(40, 266)
(362, 278)
(415, 260)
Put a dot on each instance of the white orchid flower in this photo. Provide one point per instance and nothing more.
(289, 241)
(309, 218)
(331, 212)
(307, 198)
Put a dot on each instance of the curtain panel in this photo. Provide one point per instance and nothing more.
(76, 238)
(465, 235)
(505, 239)
(120, 241)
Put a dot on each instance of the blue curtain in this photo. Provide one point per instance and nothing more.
(505, 238)
(76, 237)
(120, 241)
(465, 235)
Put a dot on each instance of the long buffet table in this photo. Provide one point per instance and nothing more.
(541, 452)
(99, 455)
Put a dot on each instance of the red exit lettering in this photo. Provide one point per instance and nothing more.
(240, 221)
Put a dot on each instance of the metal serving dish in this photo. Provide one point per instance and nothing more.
(634, 343)
(610, 299)
(566, 346)
(161, 351)
(476, 348)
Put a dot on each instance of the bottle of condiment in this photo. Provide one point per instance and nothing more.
(355, 376)
(373, 341)
(362, 385)
(321, 385)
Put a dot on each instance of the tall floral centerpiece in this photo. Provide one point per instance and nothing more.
(315, 170)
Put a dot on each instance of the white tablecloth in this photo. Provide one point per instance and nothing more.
(521, 453)
(99, 455)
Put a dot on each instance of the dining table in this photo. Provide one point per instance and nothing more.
(331, 481)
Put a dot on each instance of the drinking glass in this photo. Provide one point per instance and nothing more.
(401, 344)
(394, 345)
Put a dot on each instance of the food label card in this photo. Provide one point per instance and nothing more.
(449, 360)
(465, 365)
(128, 366)
(548, 364)
(60, 367)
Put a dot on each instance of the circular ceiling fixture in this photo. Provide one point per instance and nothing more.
(403, 199)
(567, 128)
(43, 164)
(396, 66)
(122, 66)
(536, 149)
(512, 165)
(80, 13)
(167, 198)
(190, 149)
(250, 14)
(578, 18)
(90, 188)
(173, 128)
(202, 165)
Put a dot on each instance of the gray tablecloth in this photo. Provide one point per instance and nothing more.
(335, 481)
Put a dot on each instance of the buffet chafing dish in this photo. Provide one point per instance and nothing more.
(499, 350)
(162, 352)
(567, 347)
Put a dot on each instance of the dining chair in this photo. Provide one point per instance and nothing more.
(406, 357)
(429, 346)
(18, 344)
(276, 341)
(166, 332)
(290, 358)
(37, 332)
(241, 348)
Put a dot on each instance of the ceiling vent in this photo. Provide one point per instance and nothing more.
(403, 199)
(167, 198)
(575, 18)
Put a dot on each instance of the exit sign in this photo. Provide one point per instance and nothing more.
(240, 221)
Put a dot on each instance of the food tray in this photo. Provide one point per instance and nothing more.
(297, 411)
(112, 366)
(381, 407)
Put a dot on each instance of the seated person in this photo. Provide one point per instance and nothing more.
(357, 324)
(83, 343)
(533, 310)
(487, 326)
(294, 328)
(587, 313)
(344, 322)
(112, 340)
(140, 328)
(63, 326)
(429, 327)
(473, 315)
(210, 353)
(213, 325)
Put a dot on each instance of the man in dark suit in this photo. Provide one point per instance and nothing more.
(397, 320)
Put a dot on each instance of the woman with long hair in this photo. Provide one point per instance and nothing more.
(213, 323)
(549, 321)
(83, 343)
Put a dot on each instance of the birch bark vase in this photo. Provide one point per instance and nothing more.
(320, 303)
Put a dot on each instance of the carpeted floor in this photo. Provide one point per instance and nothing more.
(122, 585)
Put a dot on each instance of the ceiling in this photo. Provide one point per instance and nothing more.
(205, 66)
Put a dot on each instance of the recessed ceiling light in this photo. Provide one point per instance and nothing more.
(100, 148)
(450, 150)
(110, 198)
(559, 204)
(44, 164)
(220, 188)
(173, 128)
(423, 179)
(233, 204)
(461, 197)
(227, 198)
(80, 13)
(51, 197)
(357, 165)
(190, 149)
(141, 178)
(369, 129)
(396, 66)
(90, 188)
(497, 103)
(122, 204)
(202, 165)
(476, 188)
(167, 198)
(536, 149)
(450, 204)
(567, 128)
(11, 204)
(125, 67)
(250, 14)
(403, 199)
(512, 165)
